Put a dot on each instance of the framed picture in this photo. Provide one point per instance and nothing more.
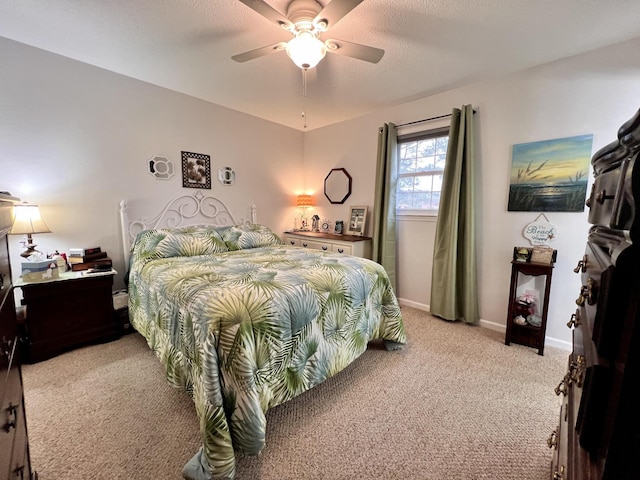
(550, 175)
(338, 230)
(357, 220)
(196, 170)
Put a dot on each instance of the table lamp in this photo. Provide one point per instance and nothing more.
(304, 201)
(27, 221)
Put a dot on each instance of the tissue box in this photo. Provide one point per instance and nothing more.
(39, 271)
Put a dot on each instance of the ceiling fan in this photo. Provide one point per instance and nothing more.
(306, 20)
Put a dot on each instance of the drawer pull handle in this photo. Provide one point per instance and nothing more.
(341, 250)
(552, 441)
(324, 248)
(6, 347)
(575, 320)
(586, 293)
(602, 196)
(292, 242)
(305, 245)
(582, 265)
(577, 370)
(12, 417)
(18, 472)
(561, 388)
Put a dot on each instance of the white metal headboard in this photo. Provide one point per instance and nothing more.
(182, 211)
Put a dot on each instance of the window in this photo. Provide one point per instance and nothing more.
(421, 160)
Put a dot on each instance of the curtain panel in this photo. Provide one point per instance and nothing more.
(453, 283)
(384, 205)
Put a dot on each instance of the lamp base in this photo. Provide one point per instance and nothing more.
(31, 249)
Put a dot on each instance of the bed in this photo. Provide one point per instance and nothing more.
(244, 323)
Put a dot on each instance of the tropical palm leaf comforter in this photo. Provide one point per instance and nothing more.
(244, 323)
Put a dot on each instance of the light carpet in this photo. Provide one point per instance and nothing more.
(455, 403)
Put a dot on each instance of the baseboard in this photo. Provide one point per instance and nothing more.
(498, 327)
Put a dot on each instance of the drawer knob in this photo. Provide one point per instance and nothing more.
(552, 441)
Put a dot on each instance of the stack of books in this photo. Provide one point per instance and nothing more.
(88, 258)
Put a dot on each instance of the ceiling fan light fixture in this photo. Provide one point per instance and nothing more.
(306, 50)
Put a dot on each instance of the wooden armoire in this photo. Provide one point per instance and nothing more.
(598, 435)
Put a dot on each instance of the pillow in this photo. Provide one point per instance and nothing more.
(178, 242)
(240, 237)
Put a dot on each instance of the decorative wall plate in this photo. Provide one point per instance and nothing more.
(161, 167)
(226, 176)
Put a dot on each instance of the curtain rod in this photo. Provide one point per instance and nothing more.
(426, 120)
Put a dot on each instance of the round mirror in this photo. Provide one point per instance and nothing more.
(337, 185)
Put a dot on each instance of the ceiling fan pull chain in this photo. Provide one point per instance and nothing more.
(304, 97)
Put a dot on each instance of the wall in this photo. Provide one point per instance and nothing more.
(77, 139)
(593, 93)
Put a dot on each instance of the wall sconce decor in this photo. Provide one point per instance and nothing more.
(27, 221)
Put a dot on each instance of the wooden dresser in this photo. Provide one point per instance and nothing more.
(15, 462)
(598, 436)
(328, 242)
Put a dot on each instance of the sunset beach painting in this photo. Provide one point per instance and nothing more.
(550, 175)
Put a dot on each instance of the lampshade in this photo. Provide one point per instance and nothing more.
(27, 220)
(304, 201)
(306, 50)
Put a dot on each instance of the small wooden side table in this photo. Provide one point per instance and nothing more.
(67, 312)
(519, 329)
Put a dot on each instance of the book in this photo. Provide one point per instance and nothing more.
(99, 263)
(81, 252)
(86, 258)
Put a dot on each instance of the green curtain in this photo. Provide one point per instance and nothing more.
(384, 206)
(454, 293)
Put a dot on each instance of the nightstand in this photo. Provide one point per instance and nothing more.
(67, 312)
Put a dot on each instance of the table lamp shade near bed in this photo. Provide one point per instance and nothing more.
(27, 221)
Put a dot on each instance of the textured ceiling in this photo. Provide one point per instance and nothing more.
(430, 45)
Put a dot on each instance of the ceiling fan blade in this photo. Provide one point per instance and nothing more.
(268, 12)
(259, 52)
(334, 12)
(355, 50)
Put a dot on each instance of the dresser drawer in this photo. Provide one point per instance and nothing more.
(346, 249)
(342, 244)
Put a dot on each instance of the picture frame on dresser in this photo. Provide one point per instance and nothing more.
(357, 220)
